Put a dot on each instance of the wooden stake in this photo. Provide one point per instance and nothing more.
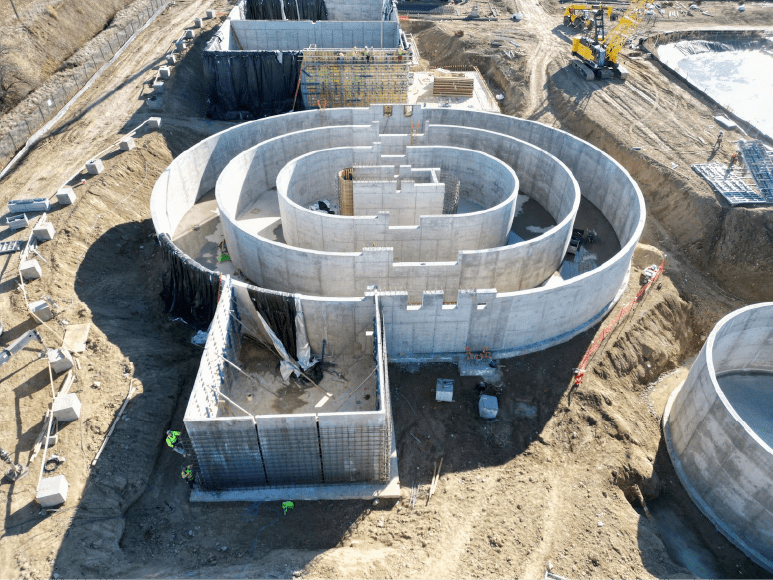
(115, 422)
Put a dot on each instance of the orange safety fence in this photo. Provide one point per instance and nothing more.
(579, 372)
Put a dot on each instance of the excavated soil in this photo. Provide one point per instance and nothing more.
(549, 486)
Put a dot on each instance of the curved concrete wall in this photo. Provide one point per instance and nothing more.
(437, 238)
(725, 466)
(528, 320)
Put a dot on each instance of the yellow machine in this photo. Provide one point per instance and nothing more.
(598, 54)
(581, 15)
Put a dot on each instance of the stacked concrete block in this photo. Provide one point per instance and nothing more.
(67, 407)
(126, 144)
(210, 14)
(95, 166)
(52, 491)
(44, 232)
(158, 86)
(65, 196)
(197, 22)
(42, 310)
(60, 360)
(30, 269)
(189, 34)
(164, 72)
(155, 122)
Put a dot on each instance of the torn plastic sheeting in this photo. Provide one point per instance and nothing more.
(189, 290)
(286, 366)
(285, 10)
(303, 350)
(262, 83)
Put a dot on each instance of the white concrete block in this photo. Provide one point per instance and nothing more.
(52, 491)
(444, 391)
(25, 205)
(126, 144)
(158, 86)
(210, 13)
(197, 22)
(488, 407)
(155, 122)
(189, 34)
(30, 269)
(95, 166)
(171, 59)
(44, 232)
(18, 222)
(60, 360)
(42, 310)
(179, 45)
(67, 407)
(65, 196)
(164, 72)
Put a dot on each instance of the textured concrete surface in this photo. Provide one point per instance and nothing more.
(725, 466)
(508, 322)
(290, 35)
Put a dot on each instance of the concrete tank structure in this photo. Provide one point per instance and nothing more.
(718, 428)
(447, 281)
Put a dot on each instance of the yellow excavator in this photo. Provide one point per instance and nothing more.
(598, 55)
(581, 15)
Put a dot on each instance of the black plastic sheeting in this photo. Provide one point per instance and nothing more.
(272, 10)
(189, 290)
(279, 312)
(252, 82)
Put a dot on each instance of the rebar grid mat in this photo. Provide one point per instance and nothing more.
(760, 164)
(451, 196)
(732, 188)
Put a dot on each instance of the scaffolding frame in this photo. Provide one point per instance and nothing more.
(354, 77)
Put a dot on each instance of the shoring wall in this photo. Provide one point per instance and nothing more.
(235, 450)
(726, 468)
(287, 35)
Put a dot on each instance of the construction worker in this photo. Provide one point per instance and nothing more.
(287, 505)
(367, 53)
(400, 53)
(718, 144)
(187, 475)
(172, 439)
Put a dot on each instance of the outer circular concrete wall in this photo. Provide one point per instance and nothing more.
(308, 229)
(725, 466)
(524, 321)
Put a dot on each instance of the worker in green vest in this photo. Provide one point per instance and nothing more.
(187, 475)
(173, 440)
(286, 505)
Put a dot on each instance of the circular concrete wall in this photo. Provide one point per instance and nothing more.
(309, 177)
(520, 316)
(719, 431)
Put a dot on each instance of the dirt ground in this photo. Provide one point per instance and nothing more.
(546, 487)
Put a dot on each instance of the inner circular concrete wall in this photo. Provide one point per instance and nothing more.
(297, 184)
(725, 466)
(510, 322)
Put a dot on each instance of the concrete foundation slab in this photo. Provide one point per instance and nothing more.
(30, 269)
(60, 360)
(52, 491)
(42, 310)
(95, 166)
(476, 368)
(66, 196)
(67, 407)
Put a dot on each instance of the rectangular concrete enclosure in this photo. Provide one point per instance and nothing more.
(258, 432)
